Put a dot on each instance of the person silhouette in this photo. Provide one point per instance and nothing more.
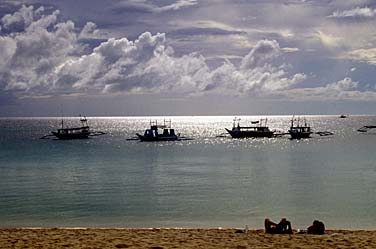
(283, 227)
(317, 227)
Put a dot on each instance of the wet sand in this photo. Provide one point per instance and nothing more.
(178, 238)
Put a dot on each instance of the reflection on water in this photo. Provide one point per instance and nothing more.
(206, 182)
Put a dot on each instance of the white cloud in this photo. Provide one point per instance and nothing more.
(150, 7)
(328, 40)
(32, 53)
(147, 64)
(356, 12)
(23, 17)
(342, 85)
(290, 50)
(7, 50)
(342, 90)
(263, 51)
(177, 5)
(210, 24)
(364, 55)
(44, 61)
(89, 31)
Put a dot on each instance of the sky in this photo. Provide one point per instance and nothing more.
(187, 57)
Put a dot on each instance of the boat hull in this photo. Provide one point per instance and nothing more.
(83, 135)
(157, 139)
(299, 135)
(250, 134)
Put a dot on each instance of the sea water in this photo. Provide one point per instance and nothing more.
(210, 181)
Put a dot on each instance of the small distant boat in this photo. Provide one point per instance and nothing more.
(343, 116)
(259, 129)
(366, 128)
(298, 130)
(81, 132)
(159, 132)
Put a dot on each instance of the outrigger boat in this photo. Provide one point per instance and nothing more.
(75, 132)
(366, 128)
(159, 132)
(298, 130)
(259, 129)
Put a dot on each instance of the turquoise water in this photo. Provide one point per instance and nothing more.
(210, 181)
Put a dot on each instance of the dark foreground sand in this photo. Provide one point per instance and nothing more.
(179, 238)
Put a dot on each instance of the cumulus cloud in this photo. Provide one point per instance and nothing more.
(342, 85)
(42, 59)
(147, 64)
(263, 51)
(21, 18)
(89, 31)
(7, 50)
(255, 75)
(31, 55)
(340, 90)
(357, 12)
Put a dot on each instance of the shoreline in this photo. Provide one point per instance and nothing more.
(157, 238)
(296, 230)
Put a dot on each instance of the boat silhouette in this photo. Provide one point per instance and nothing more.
(299, 129)
(258, 129)
(69, 133)
(159, 132)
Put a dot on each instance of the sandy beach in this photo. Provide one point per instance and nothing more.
(178, 238)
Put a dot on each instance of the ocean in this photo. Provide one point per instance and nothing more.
(210, 181)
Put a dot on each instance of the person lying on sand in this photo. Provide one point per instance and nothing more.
(317, 227)
(283, 227)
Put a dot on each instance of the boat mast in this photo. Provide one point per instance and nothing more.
(265, 121)
(83, 120)
(292, 121)
(234, 124)
(62, 119)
